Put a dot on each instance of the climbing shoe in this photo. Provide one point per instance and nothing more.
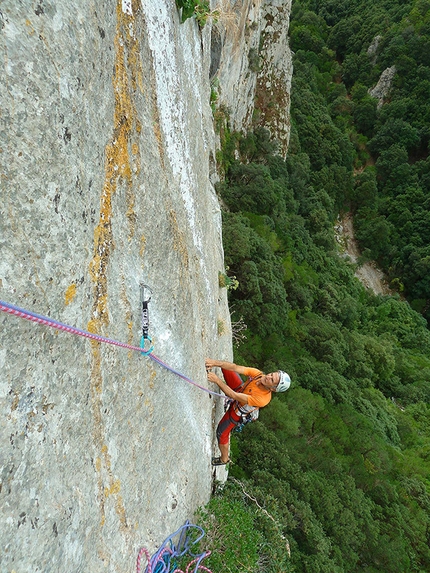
(218, 461)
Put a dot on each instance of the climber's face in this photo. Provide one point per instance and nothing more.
(270, 381)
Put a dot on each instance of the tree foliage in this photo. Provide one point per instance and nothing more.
(341, 462)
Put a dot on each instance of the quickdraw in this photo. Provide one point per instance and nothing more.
(52, 323)
(145, 297)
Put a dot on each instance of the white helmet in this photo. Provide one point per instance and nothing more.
(284, 382)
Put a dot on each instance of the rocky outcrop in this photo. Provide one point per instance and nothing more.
(367, 272)
(372, 50)
(253, 64)
(382, 88)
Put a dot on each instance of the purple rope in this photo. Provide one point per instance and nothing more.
(159, 560)
(164, 559)
(46, 321)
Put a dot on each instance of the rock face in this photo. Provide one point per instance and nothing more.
(255, 67)
(367, 273)
(382, 88)
(107, 163)
(105, 182)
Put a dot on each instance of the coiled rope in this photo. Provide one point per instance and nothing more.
(47, 321)
(166, 558)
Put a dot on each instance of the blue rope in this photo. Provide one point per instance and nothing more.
(165, 559)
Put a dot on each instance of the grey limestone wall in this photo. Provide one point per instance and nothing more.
(106, 144)
(254, 66)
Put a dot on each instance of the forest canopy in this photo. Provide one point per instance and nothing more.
(347, 47)
(335, 475)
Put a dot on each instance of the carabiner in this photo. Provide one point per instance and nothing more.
(145, 293)
(144, 352)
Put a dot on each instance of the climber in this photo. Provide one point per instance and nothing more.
(247, 397)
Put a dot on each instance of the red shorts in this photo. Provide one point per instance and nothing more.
(230, 419)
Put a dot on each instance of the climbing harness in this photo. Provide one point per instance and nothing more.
(246, 419)
(165, 560)
(47, 321)
(145, 297)
(245, 414)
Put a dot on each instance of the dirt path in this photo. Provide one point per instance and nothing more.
(368, 273)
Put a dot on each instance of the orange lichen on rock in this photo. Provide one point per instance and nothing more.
(122, 160)
(70, 294)
(118, 163)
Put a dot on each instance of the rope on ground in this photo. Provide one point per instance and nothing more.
(47, 321)
(165, 560)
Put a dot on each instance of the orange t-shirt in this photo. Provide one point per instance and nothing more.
(259, 396)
